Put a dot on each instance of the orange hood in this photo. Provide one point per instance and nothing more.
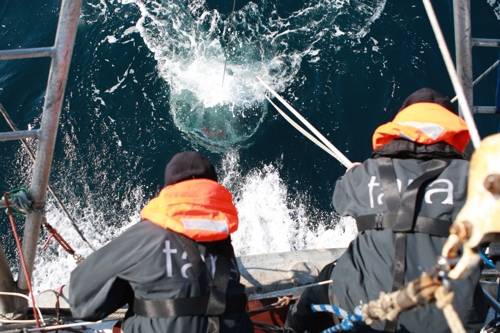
(424, 123)
(200, 209)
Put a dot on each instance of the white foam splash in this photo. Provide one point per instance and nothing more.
(272, 219)
(54, 265)
(496, 7)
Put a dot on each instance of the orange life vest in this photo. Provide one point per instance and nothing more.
(424, 123)
(200, 209)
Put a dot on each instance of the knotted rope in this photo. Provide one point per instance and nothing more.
(20, 200)
(49, 187)
(444, 301)
(429, 288)
(350, 322)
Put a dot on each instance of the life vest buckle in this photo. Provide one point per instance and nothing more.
(379, 219)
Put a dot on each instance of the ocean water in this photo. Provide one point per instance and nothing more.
(147, 80)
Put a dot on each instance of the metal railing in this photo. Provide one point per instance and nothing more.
(463, 49)
(61, 54)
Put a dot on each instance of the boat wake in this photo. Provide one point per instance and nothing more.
(272, 219)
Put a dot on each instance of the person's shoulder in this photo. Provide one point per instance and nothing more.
(146, 227)
(365, 166)
(460, 163)
(358, 173)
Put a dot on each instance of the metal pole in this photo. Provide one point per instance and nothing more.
(54, 195)
(485, 42)
(6, 136)
(480, 77)
(7, 283)
(59, 68)
(463, 49)
(27, 53)
(462, 99)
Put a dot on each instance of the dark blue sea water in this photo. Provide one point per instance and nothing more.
(146, 82)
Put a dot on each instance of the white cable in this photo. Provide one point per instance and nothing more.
(286, 292)
(462, 101)
(20, 321)
(303, 131)
(340, 157)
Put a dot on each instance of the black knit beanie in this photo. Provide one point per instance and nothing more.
(188, 165)
(427, 95)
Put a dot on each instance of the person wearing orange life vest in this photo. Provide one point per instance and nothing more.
(176, 268)
(404, 199)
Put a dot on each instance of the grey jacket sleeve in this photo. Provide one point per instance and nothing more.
(339, 197)
(95, 289)
(352, 191)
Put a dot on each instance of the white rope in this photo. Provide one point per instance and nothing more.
(20, 321)
(301, 130)
(60, 327)
(462, 101)
(286, 292)
(338, 155)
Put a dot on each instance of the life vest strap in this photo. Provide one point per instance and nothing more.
(425, 225)
(216, 287)
(401, 213)
(188, 306)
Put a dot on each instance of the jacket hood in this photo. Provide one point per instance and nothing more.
(424, 122)
(200, 209)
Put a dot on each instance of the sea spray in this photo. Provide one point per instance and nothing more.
(190, 42)
(272, 219)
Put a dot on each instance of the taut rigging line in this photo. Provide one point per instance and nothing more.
(227, 43)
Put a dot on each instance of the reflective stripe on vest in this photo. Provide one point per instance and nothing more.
(207, 225)
(424, 123)
(200, 209)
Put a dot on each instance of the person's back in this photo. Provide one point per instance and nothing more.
(382, 259)
(404, 199)
(176, 268)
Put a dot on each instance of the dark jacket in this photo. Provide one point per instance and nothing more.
(367, 267)
(148, 262)
(404, 200)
